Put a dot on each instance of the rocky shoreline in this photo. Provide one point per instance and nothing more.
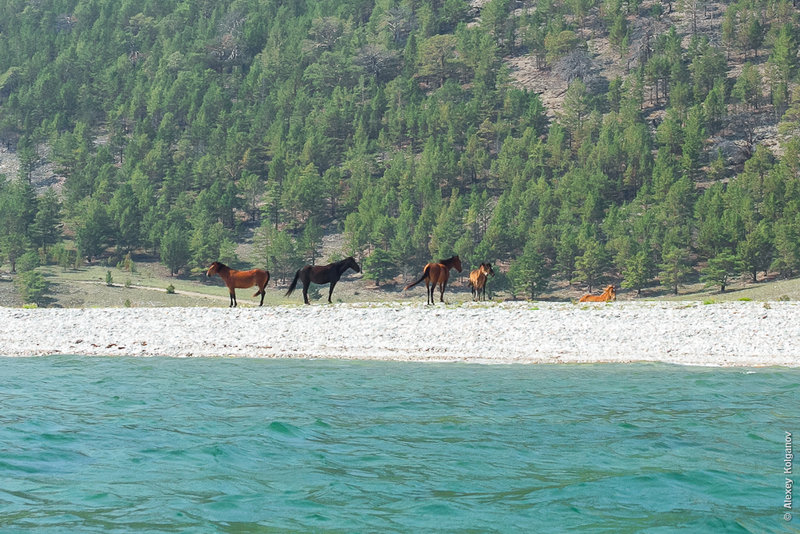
(750, 334)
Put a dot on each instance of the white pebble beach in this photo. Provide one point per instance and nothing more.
(749, 334)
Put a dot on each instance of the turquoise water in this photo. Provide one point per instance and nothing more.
(240, 445)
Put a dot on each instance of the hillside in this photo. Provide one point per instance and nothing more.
(571, 143)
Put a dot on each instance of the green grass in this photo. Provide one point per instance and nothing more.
(759, 292)
(87, 288)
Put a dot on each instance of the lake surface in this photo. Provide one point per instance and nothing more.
(244, 445)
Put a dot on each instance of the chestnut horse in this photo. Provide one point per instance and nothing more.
(437, 273)
(609, 293)
(477, 280)
(240, 279)
(322, 274)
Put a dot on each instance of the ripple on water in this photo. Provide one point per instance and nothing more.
(105, 444)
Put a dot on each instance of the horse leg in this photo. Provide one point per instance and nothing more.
(305, 291)
(333, 283)
(442, 286)
(233, 298)
(262, 295)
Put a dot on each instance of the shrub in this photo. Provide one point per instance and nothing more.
(28, 261)
(32, 287)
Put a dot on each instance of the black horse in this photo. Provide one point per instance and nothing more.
(322, 274)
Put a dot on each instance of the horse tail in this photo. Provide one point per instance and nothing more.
(294, 283)
(261, 287)
(421, 278)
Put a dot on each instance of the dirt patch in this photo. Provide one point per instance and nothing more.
(8, 293)
(44, 171)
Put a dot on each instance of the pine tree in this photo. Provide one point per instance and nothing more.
(46, 228)
(175, 253)
(449, 226)
(756, 251)
(720, 269)
(714, 108)
(32, 287)
(747, 88)
(784, 54)
(638, 271)
(787, 246)
(618, 34)
(670, 132)
(590, 267)
(694, 136)
(529, 273)
(252, 189)
(380, 266)
(278, 251)
(92, 232)
(311, 241)
(674, 268)
(124, 211)
(205, 238)
(576, 110)
(436, 57)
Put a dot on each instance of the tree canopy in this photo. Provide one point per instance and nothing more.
(175, 124)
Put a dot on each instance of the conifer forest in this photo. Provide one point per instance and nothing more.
(641, 143)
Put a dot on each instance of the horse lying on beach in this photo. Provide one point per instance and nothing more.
(240, 279)
(322, 274)
(437, 273)
(477, 280)
(609, 293)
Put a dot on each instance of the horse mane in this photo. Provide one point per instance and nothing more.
(449, 261)
(348, 260)
(340, 262)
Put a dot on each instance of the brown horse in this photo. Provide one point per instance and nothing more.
(609, 293)
(437, 273)
(477, 280)
(240, 279)
(322, 274)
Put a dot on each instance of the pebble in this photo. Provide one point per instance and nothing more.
(721, 334)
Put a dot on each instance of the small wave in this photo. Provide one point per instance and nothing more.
(284, 428)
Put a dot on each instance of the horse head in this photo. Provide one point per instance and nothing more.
(456, 262)
(351, 262)
(487, 269)
(214, 269)
(611, 292)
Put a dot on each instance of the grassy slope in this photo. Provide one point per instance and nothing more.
(86, 288)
